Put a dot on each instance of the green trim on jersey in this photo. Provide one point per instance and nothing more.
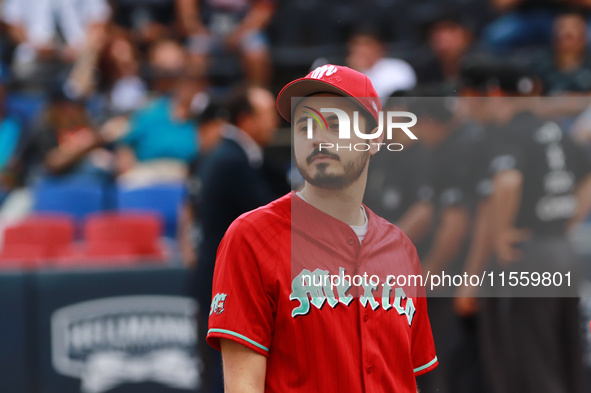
(432, 362)
(240, 336)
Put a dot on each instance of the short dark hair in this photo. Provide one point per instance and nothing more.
(239, 103)
(366, 30)
(573, 11)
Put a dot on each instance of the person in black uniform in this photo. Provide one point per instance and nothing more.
(476, 112)
(533, 344)
(477, 109)
(446, 140)
(398, 187)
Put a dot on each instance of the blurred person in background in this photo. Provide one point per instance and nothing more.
(161, 140)
(477, 72)
(50, 33)
(222, 26)
(475, 110)
(401, 196)
(108, 73)
(447, 142)
(167, 59)
(541, 188)
(120, 83)
(12, 135)
(449, 39)
(367, 55)
(145, 21)
(567, 69)
(524, 23)
(234, 179)
(212, 121)
(65, 143)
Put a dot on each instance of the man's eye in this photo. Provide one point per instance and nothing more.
(333, 126)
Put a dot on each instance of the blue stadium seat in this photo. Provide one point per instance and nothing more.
(77, 197)
(166, 199)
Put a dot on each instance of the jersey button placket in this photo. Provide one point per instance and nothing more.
(369, 369)
(350, 241)
(366, 317)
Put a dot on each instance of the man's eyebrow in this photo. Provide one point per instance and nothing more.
(305, 118)
(302, 119)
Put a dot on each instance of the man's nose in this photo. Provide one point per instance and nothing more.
(319, 135)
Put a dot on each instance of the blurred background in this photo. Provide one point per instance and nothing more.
(132, 133)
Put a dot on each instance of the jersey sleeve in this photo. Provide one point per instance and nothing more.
(241, 309)
(424, 358)
(423, 354)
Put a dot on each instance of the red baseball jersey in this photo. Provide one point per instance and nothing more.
(271, 294)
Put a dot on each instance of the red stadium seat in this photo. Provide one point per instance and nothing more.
(98, 254)
(123, 235)
(37, 239)
(22, 256)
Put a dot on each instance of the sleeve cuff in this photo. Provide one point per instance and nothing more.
(214, 335)
(426, 367)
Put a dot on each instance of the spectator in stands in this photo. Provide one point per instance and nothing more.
(388, 75)
(117, 88)
(65, 143)
(11, 135)
(145, 21)
(449, 39)
(234, 180)
(523, 23)
(161, 141)
(166, 61)
(108, 72)
(214, 26)
(120, 83)
(568, 68)
(50, 31)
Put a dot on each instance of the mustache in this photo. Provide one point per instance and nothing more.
(317, 152)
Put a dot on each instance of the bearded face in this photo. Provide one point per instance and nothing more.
(327, 168)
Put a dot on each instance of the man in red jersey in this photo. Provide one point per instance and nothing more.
(283, 312)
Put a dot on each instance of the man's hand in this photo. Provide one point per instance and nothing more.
(506, 200)
(244, 369)
(465, 302)
(505, 245)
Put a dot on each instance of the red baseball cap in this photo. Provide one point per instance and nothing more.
(331, 78)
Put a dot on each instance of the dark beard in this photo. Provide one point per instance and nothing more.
(320, 179)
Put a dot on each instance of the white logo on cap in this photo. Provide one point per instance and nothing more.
(319, 72)
(375, 107)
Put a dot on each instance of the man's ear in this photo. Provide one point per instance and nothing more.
(375, 143)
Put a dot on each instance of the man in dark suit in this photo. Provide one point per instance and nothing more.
(235, 178)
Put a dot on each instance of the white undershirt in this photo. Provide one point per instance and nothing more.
(360, 230)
